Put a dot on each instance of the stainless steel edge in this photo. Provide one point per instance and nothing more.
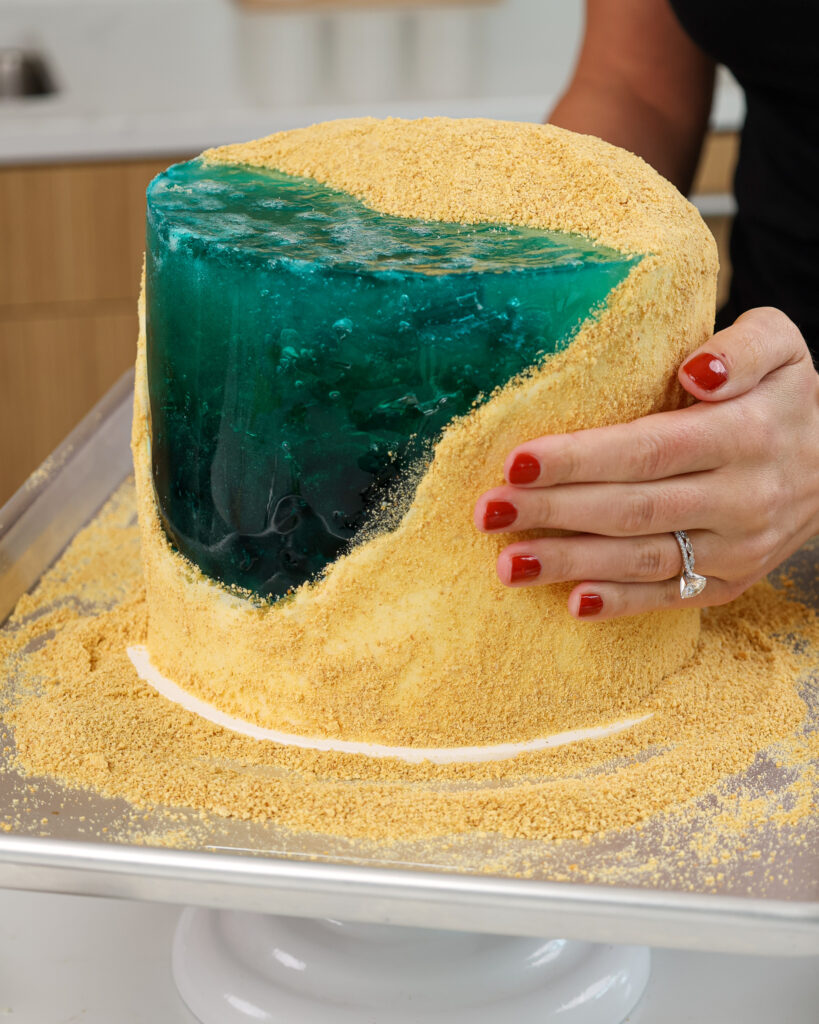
(38, 523)
(78, 477)
(413, 898)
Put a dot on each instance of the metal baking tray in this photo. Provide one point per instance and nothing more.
(251, 866)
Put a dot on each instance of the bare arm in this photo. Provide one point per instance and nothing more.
(642, 84)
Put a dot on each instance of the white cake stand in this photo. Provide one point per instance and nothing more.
(233, 968)
(297, 929)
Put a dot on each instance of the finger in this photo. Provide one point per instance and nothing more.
(611, 509)
(599, 600)
(736, 359)
(662, 445)
(623, 559)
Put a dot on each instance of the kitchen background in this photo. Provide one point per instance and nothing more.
(98, 97)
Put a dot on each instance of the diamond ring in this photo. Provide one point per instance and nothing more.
(691, 583)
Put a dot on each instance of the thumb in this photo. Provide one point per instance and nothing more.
(736, 359)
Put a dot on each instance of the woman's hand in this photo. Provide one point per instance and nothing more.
(739, 471)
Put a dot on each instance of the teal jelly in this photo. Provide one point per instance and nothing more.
(304, 352)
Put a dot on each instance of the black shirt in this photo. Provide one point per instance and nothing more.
(772, 48)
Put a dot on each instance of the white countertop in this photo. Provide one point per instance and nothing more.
(168, 77)
(67, 959)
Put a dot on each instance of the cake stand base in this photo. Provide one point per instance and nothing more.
(234, 967)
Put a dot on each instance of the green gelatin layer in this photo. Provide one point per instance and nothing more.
(305, 352)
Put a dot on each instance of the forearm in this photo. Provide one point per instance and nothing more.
(641, 83)
(625, 120)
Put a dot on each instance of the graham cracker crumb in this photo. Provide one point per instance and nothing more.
(80, 713)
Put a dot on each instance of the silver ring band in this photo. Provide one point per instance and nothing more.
(691, 583)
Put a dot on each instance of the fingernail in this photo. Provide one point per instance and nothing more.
(590, 604)
(706, 371)
(525, 469)
(524, 567)
(499, 514)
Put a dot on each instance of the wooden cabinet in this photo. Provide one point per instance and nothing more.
(71, 245)
(715, 179)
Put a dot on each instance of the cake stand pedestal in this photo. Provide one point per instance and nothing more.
(234, 967)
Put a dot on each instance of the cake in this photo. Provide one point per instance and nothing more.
(345, 329)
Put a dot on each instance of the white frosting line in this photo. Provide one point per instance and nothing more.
(438, 755)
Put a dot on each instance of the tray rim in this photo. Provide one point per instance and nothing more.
(37, 482)
(494, 904)
(313, 888)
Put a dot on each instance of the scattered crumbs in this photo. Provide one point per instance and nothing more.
(719, 786)
(717, 791)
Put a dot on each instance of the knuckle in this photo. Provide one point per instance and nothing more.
(636, 514)
(686, 504)
(756, 519)
(782, 490)
(570, 458)
(619, 599)
(662, 508)
(770, 501)
(652, 562)
(562, 566)
(756, 551)
(754, 345)
(772, 320)
(651, 455)
(767, 327)
(755, 430)
(712, 436)
(543, 509)
(766, 317)
(754, 420)
(746, 431)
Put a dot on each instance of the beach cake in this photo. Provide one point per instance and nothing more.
(344, 331)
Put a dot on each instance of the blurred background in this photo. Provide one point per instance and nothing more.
(97, 96)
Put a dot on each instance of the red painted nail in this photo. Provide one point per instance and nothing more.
(525, 469)
(590, 604)
(524, 567)
(707, 371)
(499, 514)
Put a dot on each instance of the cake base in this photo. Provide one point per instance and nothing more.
(232, 967)
(148, 673)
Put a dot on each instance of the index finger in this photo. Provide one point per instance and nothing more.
(652, 448)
